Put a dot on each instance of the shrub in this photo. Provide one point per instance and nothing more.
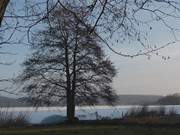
(172, 112)
(10, 119)
(145, 115)
(144, 111)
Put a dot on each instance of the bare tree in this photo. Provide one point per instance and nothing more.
(111, 20)
(68, 63)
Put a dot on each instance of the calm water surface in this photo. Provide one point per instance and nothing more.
(83, 113)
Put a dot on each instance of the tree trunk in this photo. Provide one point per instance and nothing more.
(70, 107)
(69, 92)
(71, 98)
(3, 5)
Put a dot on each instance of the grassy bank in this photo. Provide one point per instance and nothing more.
(93, 130)
(140, 121)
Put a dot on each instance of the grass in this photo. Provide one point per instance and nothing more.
(93, 130)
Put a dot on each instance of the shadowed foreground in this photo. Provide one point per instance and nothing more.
(93, 130)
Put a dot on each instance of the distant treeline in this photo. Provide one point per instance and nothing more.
(173, 99)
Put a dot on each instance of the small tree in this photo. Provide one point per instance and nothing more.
(67, 63)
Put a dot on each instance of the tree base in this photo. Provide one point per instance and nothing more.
(72, 121)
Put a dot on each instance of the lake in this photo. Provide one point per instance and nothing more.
(84, 112)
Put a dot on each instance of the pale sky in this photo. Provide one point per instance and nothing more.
(135, 76)
(155, 76)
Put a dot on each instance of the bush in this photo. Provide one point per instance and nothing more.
(172, 112)
(10, 119)
(145, 111)
(145, 115)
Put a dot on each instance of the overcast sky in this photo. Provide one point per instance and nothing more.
(135, 76)
(155, 76)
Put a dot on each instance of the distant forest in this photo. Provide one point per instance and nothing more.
(173, 99)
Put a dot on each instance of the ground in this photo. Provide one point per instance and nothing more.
(93, 130)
